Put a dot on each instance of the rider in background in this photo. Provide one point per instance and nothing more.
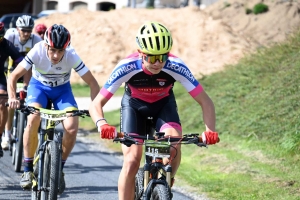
(149, 76)
(51, 61)
(24, 40)
(6, 49)
(40, 30)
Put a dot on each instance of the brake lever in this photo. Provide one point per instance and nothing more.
(126, 140)
(201, 145)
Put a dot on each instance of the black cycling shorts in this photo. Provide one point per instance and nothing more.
(134, 114)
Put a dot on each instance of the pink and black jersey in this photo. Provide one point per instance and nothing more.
(141, 84)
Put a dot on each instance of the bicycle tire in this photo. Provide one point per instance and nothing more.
(160, 192)
(15, 128)
(19, 142)
(139, 184)
(51, 171)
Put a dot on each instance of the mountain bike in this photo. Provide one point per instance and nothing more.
(18, 126)
(154, 181)
(47, 160)
(16, 143)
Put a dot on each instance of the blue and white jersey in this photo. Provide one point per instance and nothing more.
(47, 73)
(143, 85)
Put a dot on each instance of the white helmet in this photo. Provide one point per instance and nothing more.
(25, 21)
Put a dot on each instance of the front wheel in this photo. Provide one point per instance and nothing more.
(139, 184)
(51, 171)
(19, 141)
(161, 192)
(14, 137)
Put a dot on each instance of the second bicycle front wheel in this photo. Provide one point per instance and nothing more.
(161, 192)
(19, 141)
(51, 171)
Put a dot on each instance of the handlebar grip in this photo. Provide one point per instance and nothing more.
(120, 134)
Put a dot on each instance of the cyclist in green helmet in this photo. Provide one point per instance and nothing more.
(149, 76)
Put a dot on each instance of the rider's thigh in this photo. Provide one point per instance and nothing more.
(171, 131)
(33, 121)
(132, 155)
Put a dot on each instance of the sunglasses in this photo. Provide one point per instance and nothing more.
(26, 30)
(153, 58)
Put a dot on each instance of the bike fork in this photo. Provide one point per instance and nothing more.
(59, 136)
(42, 148)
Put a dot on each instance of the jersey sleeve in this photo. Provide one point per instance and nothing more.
(9, 35)
(181, 73)
(36, 38)
(14, 53)
(123, 71)
(76, 62)
(31, 58)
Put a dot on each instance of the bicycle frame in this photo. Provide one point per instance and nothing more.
(49, 152)
(46, 135)
(155, 177)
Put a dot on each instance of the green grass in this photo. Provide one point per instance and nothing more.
(83, 90)
(257, 109)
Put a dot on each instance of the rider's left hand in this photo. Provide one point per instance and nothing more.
(210, 137)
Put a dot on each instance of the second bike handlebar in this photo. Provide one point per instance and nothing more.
(52, 114)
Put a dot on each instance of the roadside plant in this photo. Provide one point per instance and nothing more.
(260, 8)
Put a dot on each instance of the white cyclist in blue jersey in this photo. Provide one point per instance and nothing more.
(51, 61)
(149, 76)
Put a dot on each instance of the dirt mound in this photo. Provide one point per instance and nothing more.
(206, 39)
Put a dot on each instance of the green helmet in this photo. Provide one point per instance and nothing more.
(154, 38)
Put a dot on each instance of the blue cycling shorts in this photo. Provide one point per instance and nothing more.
(61, 96)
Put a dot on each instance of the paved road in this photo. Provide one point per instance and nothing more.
(91, 172)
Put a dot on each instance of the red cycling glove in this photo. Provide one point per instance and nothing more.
(107, 131)
(210, 137)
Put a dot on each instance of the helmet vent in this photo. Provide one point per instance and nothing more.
(144, 43)
(169, 41)
(157, 42)
(154, 28)
(151, 43)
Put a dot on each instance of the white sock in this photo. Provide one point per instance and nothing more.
(7, 133)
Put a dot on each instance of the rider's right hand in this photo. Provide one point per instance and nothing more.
(13, 103)
(107, 131)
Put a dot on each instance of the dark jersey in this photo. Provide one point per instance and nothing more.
(8, 49)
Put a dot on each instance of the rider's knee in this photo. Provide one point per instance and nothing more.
(132, 165)
(33, 121)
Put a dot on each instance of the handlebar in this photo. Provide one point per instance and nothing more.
(191, 138)
(53, 115)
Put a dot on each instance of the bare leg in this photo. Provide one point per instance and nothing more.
(30, 138)
(132, 158)
(3, 114)
(10, 117)
(69, 138)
